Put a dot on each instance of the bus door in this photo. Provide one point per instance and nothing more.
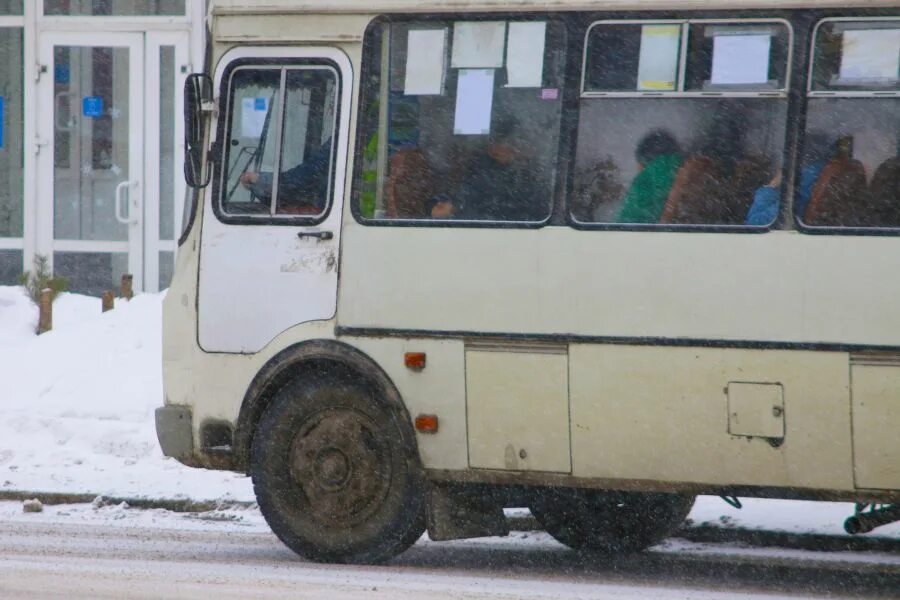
(271, 228)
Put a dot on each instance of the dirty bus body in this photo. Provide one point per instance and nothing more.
(460, 256)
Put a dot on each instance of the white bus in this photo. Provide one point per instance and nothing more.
(593, 257)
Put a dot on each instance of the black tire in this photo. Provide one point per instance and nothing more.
(335, 472)
(609, 522)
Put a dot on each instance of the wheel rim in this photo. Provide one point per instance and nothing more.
(341, 466)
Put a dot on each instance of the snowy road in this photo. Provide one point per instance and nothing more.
(40, 559)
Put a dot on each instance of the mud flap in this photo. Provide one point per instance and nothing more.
(455, 515)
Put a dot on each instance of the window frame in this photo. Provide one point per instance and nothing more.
(370, 90)
(784, 94)
(219, 149)
(810, 94)
(680, 92)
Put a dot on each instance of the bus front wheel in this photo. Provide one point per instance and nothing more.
(335, 472)
(609, 522)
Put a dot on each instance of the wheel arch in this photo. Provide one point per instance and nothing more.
(311, 359)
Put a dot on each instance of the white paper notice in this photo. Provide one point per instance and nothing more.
(741, 59)
(478, 45)
(525, 54)
(253, 116)
(425, 52)
(474, 99)
(871, 55)
(658, 61)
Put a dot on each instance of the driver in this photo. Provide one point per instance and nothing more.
(302, 186)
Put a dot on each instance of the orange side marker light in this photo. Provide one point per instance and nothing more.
(414, 360)
(427, 423)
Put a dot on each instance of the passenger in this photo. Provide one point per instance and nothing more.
(766, 201)
(304, 184)
(840, 194)
(884, 192)
(818, 149)
(764, 210)
(659, 158)
(499, 184)
(409, 184)
(441, 207)
(713, 187)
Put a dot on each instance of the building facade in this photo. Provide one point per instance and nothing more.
(91, 136)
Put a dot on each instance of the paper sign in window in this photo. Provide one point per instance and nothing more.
(741, 59)
(871, 55)
(525, 54)
(478, 45)
(658, 60)
(474, 99)
(425, 62)
(253, 116)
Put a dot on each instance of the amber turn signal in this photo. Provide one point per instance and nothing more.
(414, 360)
(427, 423)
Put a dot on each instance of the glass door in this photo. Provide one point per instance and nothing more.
(91, 157)
(167, 61)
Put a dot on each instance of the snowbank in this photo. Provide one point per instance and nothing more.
(76, 416)
(76, 410)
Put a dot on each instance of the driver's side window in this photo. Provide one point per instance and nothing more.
(278, 153)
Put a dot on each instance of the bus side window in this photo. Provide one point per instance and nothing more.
(461, 132)
(850, 165)
(682, 123)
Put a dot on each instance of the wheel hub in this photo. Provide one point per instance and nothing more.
(331, 468)
(341, 466)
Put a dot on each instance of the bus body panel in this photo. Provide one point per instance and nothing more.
(729, 288)
(645, 412)
(877, 421)
(517, 407)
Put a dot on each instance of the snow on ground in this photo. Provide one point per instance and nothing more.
(76, 410)
(76, 416)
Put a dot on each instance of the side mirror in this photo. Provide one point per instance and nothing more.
(197, 101)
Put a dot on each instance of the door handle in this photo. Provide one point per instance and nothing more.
(70, 122)
(119, 205)
(321, 235)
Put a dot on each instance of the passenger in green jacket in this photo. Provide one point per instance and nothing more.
(659, 158)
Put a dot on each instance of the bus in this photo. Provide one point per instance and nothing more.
(592, 257)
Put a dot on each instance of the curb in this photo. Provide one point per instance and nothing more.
(181, 505)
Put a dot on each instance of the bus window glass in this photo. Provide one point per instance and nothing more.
(301, 129)
(307, 145)
(460, 121)
(850, 164)
(737, 57)
(250, 144)
(632, 57)
(705, 147)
